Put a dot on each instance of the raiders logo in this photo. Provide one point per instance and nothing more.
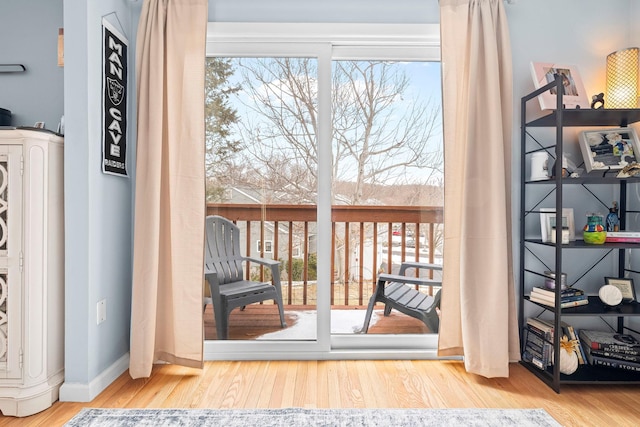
(115, 90)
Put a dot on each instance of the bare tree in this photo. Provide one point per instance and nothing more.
(379, 134)
(375, 131)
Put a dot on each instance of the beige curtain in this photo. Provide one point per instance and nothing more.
(478, 304)
(166, 322)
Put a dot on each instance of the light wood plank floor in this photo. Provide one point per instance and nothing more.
(353, 384)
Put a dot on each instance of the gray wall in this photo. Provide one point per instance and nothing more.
(29, 36)
(356, 11)
(99, 208)
(98, 216)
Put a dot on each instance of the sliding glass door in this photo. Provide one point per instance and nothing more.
(314, 148)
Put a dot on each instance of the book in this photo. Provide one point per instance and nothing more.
(582, 358)
(539, 332)
(567, 331)
(622, 239)
(608, 341)
(612, 363)
(552, 298)
(622, 352)
(569, 292)
(545, 329)
(566, 304)
(535, 338)
(616, 355)
(539, 347)
(539, 352)
(533, 359)
(535, 349)
(623, 236)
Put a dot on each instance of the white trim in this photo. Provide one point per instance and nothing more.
(347, 41)
(338, 34)
(363, 354)
(343, 347)
(81, 392)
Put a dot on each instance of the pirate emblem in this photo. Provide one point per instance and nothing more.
(115, 90)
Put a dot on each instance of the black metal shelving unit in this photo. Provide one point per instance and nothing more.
(558, 119)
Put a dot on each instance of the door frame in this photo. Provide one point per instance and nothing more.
(325, 42)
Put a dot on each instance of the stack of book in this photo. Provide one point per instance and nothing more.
(537, 347)
(570, 297)
(538, 342)
(623, 237)
(611, 349)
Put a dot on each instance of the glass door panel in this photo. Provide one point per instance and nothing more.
(262, 168)
(387, 184)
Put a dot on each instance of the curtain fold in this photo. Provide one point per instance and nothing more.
(478, 306)
(166, 323)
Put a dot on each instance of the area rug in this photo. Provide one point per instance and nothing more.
(293, 417)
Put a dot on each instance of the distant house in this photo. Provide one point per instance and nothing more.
(266, 249)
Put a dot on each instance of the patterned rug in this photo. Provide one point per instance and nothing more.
(293, 417)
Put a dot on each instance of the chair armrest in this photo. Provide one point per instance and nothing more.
(211, 276)
(273, 265)
(263, 261)
(408, 279)
(412, 264)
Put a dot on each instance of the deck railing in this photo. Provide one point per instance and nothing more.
(365, 240)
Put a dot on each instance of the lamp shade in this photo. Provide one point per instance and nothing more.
(622, 78)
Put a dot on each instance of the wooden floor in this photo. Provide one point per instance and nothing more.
(347, 384)
(352, 384)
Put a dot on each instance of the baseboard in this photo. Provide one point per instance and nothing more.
(79, 392)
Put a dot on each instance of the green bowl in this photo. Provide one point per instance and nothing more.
(594, 237)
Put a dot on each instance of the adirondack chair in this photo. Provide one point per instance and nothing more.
(223, 271)
(396, 292)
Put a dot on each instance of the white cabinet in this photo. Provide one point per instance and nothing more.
(31, 270)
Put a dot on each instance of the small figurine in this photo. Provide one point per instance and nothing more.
(629, 170)
(613, 221)
(597, 101)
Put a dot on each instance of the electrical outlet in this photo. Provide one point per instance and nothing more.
(102, 311)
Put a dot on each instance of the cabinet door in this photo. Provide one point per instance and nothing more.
(11, 289)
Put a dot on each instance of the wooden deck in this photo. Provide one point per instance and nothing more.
(260, 319)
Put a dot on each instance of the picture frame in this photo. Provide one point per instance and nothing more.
(547, 223)
(574, 95)
(626, 287)
(609, 148)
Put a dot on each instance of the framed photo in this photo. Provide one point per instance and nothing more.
(573, 96)
(625, 286)
(548, 223)
(613, 148)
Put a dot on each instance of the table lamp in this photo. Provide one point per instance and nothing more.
(622, 78)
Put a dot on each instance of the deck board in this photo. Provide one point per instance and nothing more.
(259, 319)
